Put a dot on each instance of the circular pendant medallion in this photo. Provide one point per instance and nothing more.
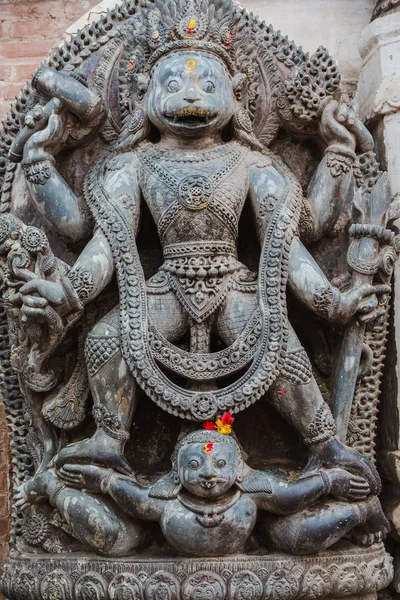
(203, 407)
(195, 192)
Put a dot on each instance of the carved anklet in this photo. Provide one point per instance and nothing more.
(322, 428)
(110, 424)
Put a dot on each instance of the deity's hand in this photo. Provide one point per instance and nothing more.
(340, 126)
(332, 454)
(360, 300)
(47, 142)
(346, 486)
(34, 296)
(86, 477)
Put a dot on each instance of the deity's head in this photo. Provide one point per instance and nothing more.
(189, 70)
(190, 94)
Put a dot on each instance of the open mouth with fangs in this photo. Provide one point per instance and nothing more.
(191, 117)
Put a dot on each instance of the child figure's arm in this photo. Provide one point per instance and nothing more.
(288, 497)
(130, 496)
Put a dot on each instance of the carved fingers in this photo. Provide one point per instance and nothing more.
(333, 453)
(340, 125)
(362, 300)
(86, 477)
(347, 486)
(335, 131)
(35, 296)
(52, 134)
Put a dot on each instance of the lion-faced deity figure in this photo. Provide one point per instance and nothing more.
(177, 113)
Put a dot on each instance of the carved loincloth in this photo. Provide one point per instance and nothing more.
(269, 359)
(202, 274)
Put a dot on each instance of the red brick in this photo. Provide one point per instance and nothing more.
(12, 90)
(39, 28)
(5, 74)
(23, 72)
(31, 9)
(4, 481)
(4, 505)
(4, 108)
(39, 48)
(5, 30)
(4, 528)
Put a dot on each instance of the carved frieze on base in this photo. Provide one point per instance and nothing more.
(347, 572)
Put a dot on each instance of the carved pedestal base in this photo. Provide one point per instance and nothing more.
(346, 572)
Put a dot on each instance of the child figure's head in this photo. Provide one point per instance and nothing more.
(208, 463)
(205, 463)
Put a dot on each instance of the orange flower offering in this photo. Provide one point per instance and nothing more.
(207, 448)
(222, 425)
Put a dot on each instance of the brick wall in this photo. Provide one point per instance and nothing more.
(28, 31)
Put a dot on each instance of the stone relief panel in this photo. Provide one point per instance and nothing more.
(196, 250)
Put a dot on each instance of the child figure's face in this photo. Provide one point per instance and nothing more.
(208, 470)
(190, 93)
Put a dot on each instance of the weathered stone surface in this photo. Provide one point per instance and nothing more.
(346, 573)
(177, 116)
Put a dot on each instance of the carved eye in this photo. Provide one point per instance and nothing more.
(221, 463)
(209, 87)
(173, 86)
(193, 464)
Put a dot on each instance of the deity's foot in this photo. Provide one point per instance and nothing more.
(376, 526)
(36, 489)
(101, 450)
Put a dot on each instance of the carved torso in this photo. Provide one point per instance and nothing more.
(196, 199)
(209, 530)
(195, 196)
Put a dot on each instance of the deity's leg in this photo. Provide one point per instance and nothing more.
(114, 389)
(114, 393)
(96, 523)
(318, 527)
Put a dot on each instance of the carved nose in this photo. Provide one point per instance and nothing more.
(208, 472)
(191, 94)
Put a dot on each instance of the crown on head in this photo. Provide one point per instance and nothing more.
(215, 26)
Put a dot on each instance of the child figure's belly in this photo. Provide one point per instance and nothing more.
(209, 534)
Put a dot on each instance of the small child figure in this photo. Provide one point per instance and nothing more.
(207, 504)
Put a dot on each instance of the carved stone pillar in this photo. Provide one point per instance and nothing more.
(379, 98)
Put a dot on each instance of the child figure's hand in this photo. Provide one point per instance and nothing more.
(344, 485)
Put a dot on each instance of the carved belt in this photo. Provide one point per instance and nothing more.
(202, 248)
(201, 260)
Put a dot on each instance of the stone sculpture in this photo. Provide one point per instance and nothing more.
(174, 109)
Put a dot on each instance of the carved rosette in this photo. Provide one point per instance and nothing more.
(91, 585)
(162, 586)
(125, 586)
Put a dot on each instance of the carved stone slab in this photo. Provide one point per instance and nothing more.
(347, 572)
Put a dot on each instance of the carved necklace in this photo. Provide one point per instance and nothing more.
(210, 516)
